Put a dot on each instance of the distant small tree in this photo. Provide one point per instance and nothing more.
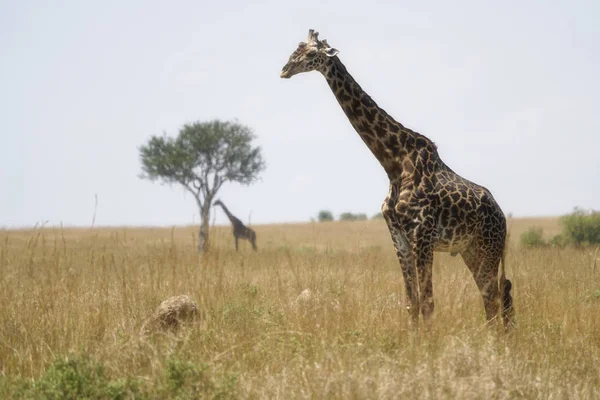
(582, 227)
(202, 157)
(325, 215)
(558, 241)
(533, 237)
(348, 216)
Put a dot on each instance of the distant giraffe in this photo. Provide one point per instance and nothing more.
(429, 207)
(240, 231)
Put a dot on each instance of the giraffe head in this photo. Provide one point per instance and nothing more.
(309, 56)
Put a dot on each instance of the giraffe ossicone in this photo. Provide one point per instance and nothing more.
(428, 207)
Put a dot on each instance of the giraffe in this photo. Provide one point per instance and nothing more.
(239, 229)
(428, 207)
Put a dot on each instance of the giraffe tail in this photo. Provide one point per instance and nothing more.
(508, 312)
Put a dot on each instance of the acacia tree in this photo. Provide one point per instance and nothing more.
(202, 157)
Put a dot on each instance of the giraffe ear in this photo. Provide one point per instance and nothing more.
(331, 52)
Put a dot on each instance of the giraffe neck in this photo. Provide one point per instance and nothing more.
(388, 140)
(229, 215)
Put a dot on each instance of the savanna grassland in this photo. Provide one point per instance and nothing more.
(73, 302)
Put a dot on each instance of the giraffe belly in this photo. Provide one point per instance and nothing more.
(452, 243)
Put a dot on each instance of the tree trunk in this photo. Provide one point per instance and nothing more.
(203, 235)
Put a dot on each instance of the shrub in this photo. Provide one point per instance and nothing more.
(348, 216)
(78, 378)
(582, 227)
(559, 241)
(325, 215)
(533, 237)
(186, 380)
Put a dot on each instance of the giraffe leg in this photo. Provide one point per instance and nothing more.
(404, 254)
(423, 237)
(424, 262)
(410, 282)
(236, 242)
(412, 290)
(508, 311)
(392, 208)
(484, 268)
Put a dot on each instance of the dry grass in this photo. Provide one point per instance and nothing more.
(88, 291)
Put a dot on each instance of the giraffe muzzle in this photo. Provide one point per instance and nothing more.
(286, 72)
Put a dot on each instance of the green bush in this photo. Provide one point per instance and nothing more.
(325, 215)
(78, 378)
(559, 241)
(582, 227)
(186, 380)
(348, 216)
(533, 237)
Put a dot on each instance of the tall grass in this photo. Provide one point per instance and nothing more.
(83, 294)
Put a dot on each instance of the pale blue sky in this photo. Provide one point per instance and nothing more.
(509, 91)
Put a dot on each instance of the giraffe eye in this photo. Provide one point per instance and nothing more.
(311, 53)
